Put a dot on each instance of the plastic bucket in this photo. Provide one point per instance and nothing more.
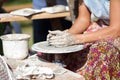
(15, 46)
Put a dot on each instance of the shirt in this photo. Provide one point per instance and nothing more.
(99, 8)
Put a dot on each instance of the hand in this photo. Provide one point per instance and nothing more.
(61, 39)
(54, 33)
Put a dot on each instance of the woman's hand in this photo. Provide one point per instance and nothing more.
(61, 39)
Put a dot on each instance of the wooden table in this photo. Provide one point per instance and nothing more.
(68, 75)
(35, 16)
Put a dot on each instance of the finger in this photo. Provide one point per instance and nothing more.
(49, 35)
(54, 41)
(57, 42)
(56, 32)
(56, 38)
(58, 45)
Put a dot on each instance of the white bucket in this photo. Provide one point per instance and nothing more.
(15, 46)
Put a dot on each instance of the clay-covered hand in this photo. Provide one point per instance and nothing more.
(54, 33)
(62, 39)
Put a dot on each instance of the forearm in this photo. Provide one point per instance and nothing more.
(115, 14)
(112, 31)
(105, 33)
(83, 20)
(79, 26)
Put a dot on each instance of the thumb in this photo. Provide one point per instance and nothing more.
(56, 32)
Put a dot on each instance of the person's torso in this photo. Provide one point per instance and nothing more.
(99, 8)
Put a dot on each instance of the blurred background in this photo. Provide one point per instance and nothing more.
(26, 26)
(17, 2)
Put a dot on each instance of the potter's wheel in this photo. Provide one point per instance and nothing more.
(45, 48)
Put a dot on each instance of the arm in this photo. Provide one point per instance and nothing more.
(112, 31)
(83, 20)
(82, 23)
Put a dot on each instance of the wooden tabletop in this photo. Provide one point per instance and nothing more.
(68, 75)
(8, 17)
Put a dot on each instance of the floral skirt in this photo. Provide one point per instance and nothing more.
(102, 61)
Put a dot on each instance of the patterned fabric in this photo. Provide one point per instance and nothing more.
(93, 27)
(103, 58)
(103, 61)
